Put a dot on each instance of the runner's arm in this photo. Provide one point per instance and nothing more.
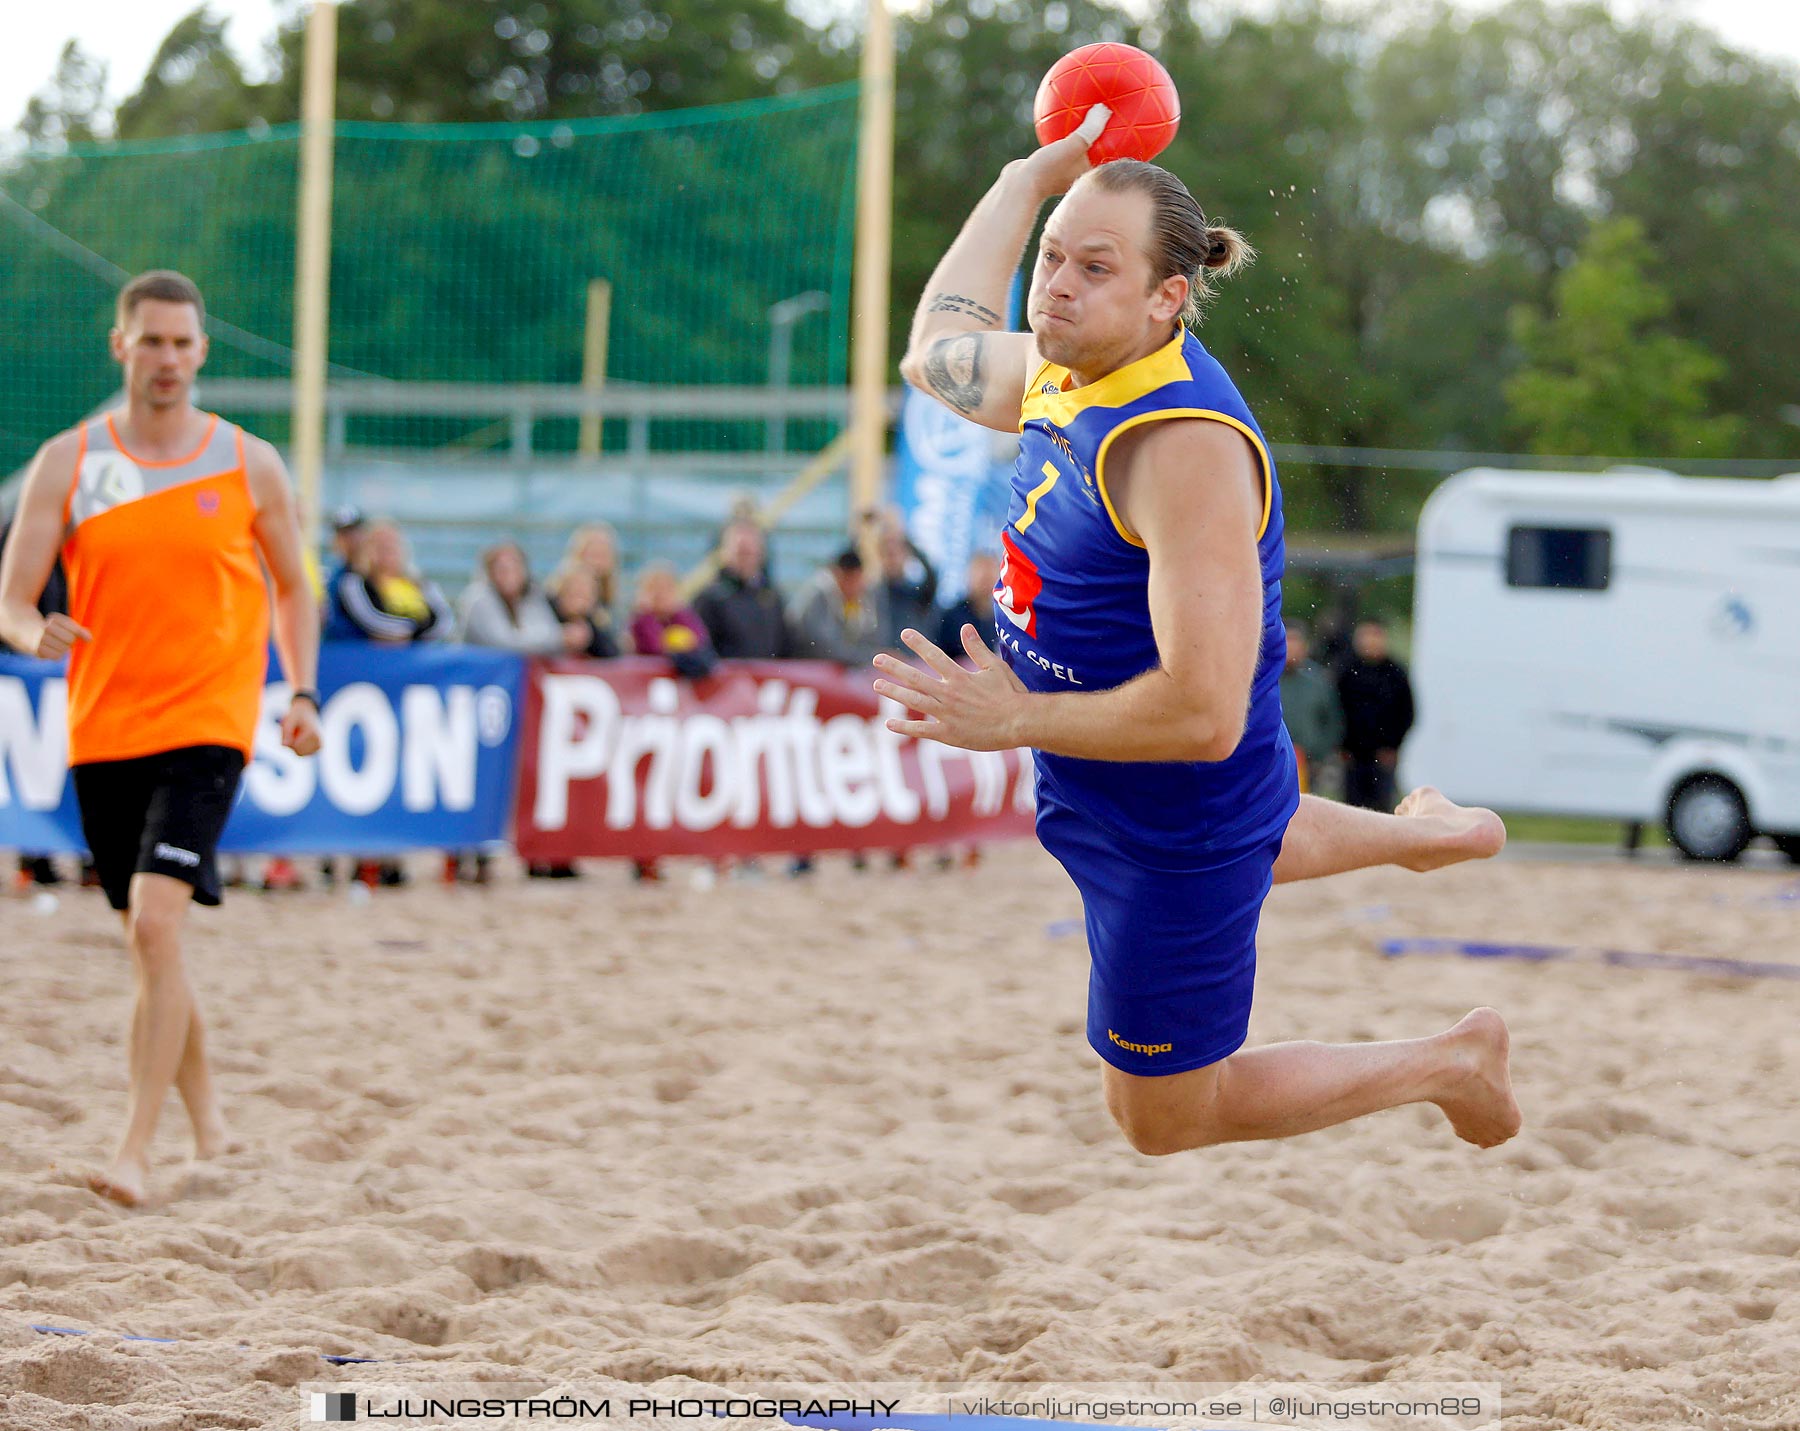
(278, 536)
(30, 557)
(958, 350)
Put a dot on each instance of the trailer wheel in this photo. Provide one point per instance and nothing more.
(1708, 819)
(1789, 845)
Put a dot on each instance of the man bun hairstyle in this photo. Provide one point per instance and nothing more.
(1182, 239)
(165, 286)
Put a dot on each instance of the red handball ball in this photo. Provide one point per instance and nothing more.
(1146, 111)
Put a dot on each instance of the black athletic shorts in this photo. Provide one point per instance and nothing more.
(159, 814)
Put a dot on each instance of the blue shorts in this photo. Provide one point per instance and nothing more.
(1174, 950)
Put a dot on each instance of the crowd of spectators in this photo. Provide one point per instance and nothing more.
(1349, 716)
(375, 593)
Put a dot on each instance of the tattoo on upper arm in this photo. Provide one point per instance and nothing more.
(965, 307)
(953, 371)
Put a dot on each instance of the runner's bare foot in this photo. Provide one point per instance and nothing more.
(213, 1141)
(1466, 832)
(1478, 1099)
(122, 1183)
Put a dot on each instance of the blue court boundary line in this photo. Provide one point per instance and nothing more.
(52, 1331)
(1619, 958)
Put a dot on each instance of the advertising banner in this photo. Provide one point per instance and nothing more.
(622, 758)
(420, 751)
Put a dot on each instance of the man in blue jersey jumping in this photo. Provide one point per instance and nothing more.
(1140, 626)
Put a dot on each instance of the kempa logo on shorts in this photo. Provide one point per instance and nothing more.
(1140, 1047)
(334, 1406)
(175, 856)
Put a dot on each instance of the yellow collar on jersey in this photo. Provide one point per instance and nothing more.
(1046, 397)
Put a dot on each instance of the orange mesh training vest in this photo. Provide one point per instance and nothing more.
(163, 569)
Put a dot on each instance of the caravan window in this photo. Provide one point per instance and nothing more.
(1565, 558)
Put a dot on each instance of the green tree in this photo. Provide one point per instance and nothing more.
(454, 61)
(1602, 378)
(194, 85)
(1267, 114)
(71, 109)
(1409, 179)
(1503, 136)
(1713, 175)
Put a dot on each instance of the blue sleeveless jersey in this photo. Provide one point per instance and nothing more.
(1074, 611)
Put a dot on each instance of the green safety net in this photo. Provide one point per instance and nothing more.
(460, 253)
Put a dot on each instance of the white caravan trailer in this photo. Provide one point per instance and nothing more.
(1622, 644)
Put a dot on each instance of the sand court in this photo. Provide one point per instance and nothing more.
(848, 1130)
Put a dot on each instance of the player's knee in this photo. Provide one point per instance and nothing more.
(155, 935)
(1157, 1132)
(1160, 1116)
(1151, 1137)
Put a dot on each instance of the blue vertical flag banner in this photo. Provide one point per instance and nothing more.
(952, 478)
(420, 751)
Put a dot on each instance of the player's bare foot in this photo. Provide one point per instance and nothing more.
(213, 1141)
(1460, 832)
(1478, 1097)
(123, 1182)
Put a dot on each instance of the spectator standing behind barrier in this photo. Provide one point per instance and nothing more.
(744, 509)
(348, 529)
(1331, 638)
(831, 617)
(741, 610)
(907, 593)
(976, 607)
(501, 608)
(664, 626)
(1378, 712)
(596, 547)
(383, 598)
(587, 625)
(1314, 714)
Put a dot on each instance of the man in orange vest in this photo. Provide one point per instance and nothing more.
(165, 518)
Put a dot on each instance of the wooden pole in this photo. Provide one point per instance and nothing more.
(593, 358)
(874, 236)
(312, 276)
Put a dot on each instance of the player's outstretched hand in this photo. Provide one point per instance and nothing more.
(59, 634)
(300, 728)
(1056, 166)
(982, 709)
